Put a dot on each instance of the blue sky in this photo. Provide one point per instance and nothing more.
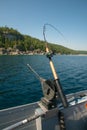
(29, 16)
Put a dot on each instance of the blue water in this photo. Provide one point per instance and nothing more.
(19, 86)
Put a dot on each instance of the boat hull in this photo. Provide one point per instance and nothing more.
(75, 116)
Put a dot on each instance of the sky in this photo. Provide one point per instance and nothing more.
(29, 17)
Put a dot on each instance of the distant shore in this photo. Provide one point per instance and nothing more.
(11, 51)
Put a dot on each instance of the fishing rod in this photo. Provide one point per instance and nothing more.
(56, 78)
(35, 73)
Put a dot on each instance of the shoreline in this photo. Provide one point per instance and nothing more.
(31, 54)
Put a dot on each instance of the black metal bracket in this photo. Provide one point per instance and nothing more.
(50, 94)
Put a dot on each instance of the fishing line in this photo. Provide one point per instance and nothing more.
(56, 29)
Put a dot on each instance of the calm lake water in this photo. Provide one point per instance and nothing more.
(18, 85)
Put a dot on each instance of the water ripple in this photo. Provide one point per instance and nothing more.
(19, 86)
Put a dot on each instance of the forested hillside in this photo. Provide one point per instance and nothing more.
(11, 38)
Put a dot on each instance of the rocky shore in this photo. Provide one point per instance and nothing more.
(10, 51)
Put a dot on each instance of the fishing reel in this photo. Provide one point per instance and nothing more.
(50, 54)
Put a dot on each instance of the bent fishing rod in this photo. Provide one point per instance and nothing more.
(56, 78)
